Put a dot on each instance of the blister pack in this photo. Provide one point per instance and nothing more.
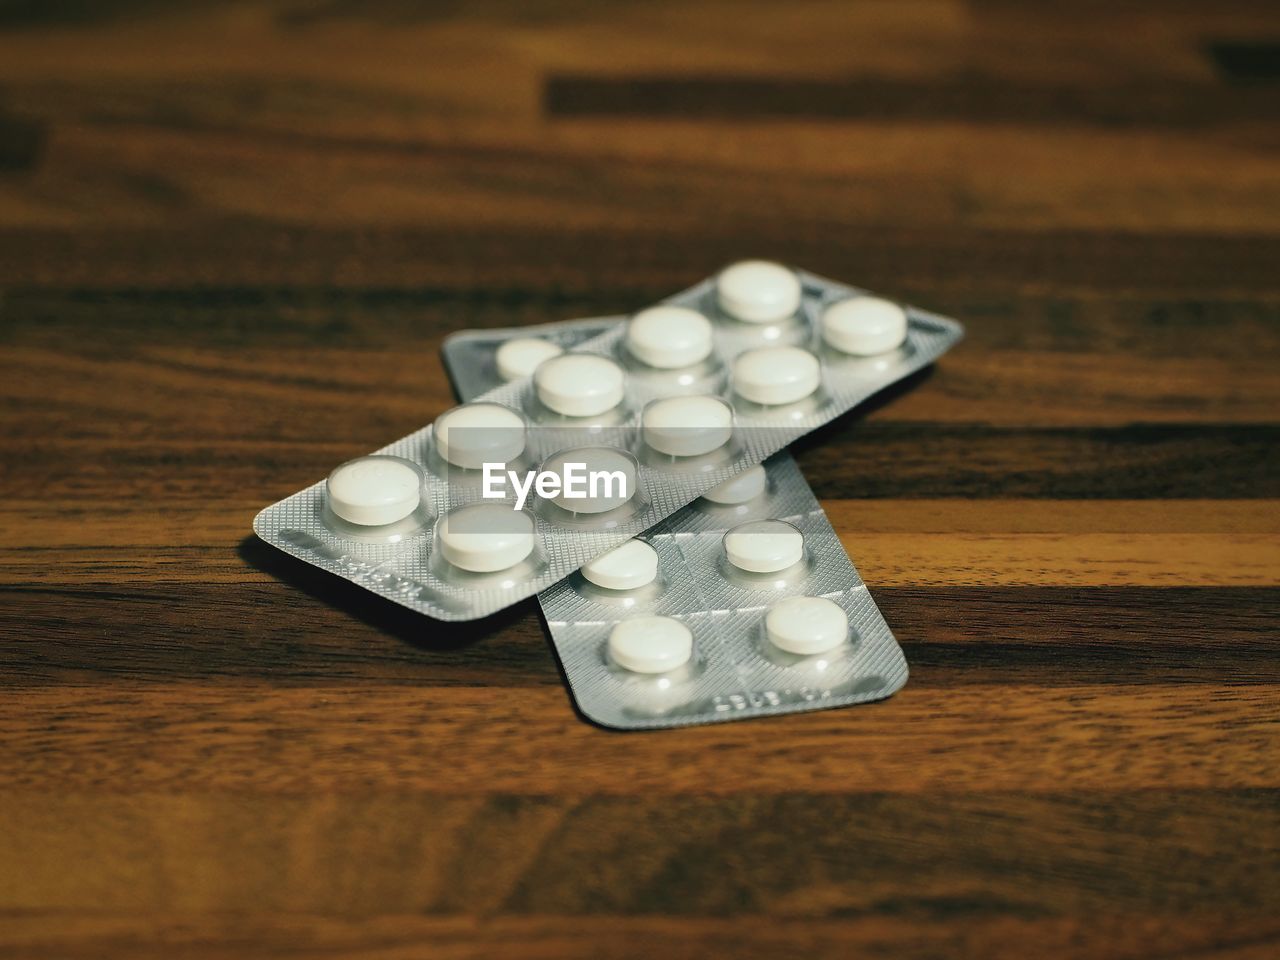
(507, 495)
(742, 604)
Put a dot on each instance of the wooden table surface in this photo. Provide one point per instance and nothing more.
(231, 239)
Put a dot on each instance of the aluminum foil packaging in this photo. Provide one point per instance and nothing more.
(621, 432)
(734, 669)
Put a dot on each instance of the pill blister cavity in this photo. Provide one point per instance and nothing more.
(864, 326)
(630, 566)
(806, 626)
(743, 488)
(474, 434)
(597, 484)
(775, 376)
(687, 426)
(518, 358)
(764, 546)
(486, 537)
(579, 385)
(669, 338)
(758, 291)
(374, 491)
(650, 645)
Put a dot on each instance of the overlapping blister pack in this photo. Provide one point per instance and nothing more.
(684, 570)
(627, 428)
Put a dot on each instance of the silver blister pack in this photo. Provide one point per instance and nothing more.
(442, 554)
(734, 671)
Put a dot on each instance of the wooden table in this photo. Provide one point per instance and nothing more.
(231, 240)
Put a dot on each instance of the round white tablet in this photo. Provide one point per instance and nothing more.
(579, 384)
(478, 433)
(669, 337)
(806, 625)
(519, 358)
(486, 537)
(651, 644)
(764, 546)
(687, 426)
(374, 491)
(630, 566)
(864, 326)
(758, 291)
(592, 479)
(776, 375)
(745, 486)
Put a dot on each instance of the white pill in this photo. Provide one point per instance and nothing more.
(864, 326)
(745, 486)
(628, 567)
(605, 478)
(651, 644)
(519, 358)
(806, 625)
(478, 433)
(776, 375)
(579, 384)
(486, 537)
(669, 337)
(764, 546)
(374, 491)
(687, 426)
(758, 291)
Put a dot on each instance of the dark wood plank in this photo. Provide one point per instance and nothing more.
(1246, 61)
(962, 97)
(954, 636)
(607, 268)
(932, 460)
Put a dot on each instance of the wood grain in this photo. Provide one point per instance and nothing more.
(449, 739)
(232, 238)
